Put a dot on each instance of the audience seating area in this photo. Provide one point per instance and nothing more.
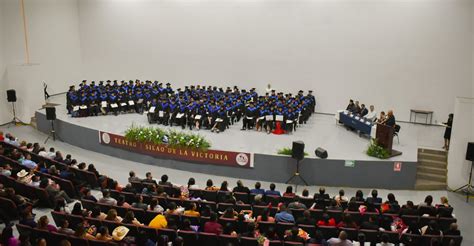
(209, 201)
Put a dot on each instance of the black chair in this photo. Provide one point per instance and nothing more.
(274, 200)
(426, 240)
(189, 237)
(210, 195)
(396, 130)
(248, 241)
(444, 222)
(328, 231)
(456, 239)
(281, 228)
(431, 211)
(223, 195)
(210, 239)
(242, 196)
(445, 212)
(393, 236)
(170, 233)
(410, 239)
(371, 236)
(225, 240)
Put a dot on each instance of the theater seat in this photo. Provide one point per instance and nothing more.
(208, 239)
(189, 237)
(248, 241)
(457, 240)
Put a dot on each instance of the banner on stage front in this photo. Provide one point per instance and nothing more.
(216, 157)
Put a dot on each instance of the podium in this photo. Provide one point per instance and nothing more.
(384, 137)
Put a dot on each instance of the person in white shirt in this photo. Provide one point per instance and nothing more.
(42, 152)
(372, 114)
(268, 89)
(384, 241)
(51, 153)
(340, 241)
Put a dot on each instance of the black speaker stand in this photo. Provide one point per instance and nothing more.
(296, 175)
(15, 119)
(52, 133)
(467, 188)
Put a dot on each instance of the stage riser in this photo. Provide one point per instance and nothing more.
(270, 168)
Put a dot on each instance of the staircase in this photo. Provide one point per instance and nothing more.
(432, 169)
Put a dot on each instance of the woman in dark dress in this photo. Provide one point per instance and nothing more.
(447, 132)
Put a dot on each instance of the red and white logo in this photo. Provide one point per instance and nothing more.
(242, 159)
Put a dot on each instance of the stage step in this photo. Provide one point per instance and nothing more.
(424, 184)
(432, 157)
(433, 151)
(33, 122)
(432, 169)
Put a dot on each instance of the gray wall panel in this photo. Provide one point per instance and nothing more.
(272, 168)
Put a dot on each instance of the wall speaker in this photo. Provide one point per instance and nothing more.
(50, 113)
(297, 151)
(321, 153)
(470, 151)
(11, 95)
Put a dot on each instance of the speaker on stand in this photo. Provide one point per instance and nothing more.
(11, 97)
(297, 153)
(467, 188)
(51, 116)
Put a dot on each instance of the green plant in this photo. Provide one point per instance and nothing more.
(171, 137)
(287, 151)
(375, 150)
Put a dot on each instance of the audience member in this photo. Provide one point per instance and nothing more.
(106, 199)
(241, 188)
(341, 240)
(289, 192)
(284, 215)
(212, 226)
(272, 191)
(43, 224)
(257, 189)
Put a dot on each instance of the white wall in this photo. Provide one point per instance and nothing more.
(54, 50)
(394, 54)
(4, 117)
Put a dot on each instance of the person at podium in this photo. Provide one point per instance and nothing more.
(390, 120)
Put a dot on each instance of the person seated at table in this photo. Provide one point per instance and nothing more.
(357, 108)
(371, 113)
(382, 117)
(363, 110)
(390, 120)
(351, 106)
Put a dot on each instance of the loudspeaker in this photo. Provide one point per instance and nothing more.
(50, 113)
(297, 152)
(470, 151)
(321, 153)
(11, 95)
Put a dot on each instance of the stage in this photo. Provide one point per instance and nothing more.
(320, 131)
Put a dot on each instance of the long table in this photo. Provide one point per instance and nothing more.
(358, 123)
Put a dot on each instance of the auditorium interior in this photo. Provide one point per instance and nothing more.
(318, 122)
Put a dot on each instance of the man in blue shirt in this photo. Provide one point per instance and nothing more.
(257, 189)
(272, 191)
(27, 162)
(284, 215)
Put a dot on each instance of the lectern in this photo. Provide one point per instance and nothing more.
(384, 136)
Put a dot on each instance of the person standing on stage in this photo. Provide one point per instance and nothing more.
(447, 132)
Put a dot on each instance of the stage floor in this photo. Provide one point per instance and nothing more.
(320, 131)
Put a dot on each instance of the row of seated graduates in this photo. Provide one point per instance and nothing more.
(215, 109)
(79, 179)
(211, 103)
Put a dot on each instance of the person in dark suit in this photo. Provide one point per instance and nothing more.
(351, 107)
(390, 121)
(447, 132)
(363, 110)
